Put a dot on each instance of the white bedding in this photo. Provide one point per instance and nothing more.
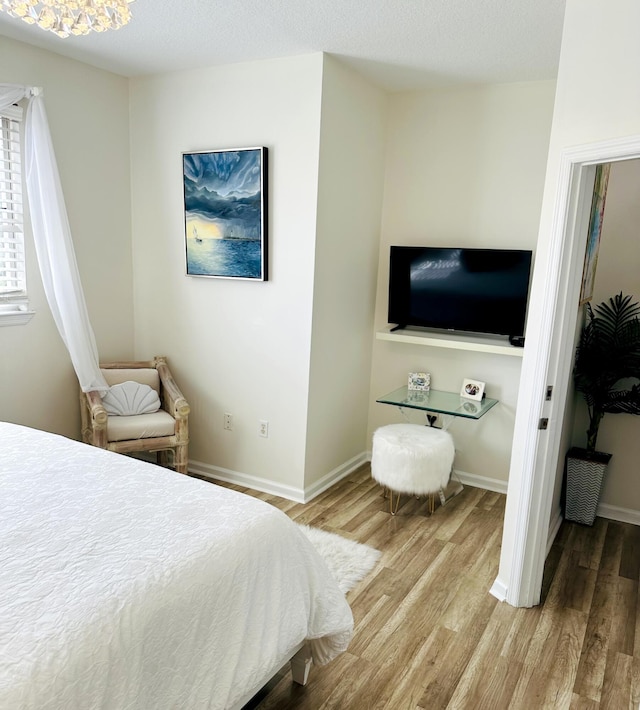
(124, 585)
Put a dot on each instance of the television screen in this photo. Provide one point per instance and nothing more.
(469, 290)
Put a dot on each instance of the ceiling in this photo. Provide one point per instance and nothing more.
(397, 44)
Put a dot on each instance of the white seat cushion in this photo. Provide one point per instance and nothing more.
(141, 426)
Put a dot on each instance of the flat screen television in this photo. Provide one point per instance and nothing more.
(481, 291)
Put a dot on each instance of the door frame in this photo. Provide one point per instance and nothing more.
(548, 361)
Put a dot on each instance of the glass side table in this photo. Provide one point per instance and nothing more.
(449, 404)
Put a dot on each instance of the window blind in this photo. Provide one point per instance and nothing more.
(12, 257)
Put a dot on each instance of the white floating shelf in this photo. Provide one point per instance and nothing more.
(453, 341)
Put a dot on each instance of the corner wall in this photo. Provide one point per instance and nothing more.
(234, 346)
(88, 117)
(352, 142)
(465, 167)
(599, 49)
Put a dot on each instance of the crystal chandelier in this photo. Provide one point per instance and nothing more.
(70, 17)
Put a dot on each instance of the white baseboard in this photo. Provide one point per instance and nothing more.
(300, 495)
(334, 476)
(496, 485)
(610, 512)
(499, 590)
(621, 515)
(265, 485)
(488, 484)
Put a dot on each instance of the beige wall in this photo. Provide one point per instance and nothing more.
(465, 167)
(293, 349)
(618, 270)
(597, 99)
(352, 139)
(235, 346)
(579, 120)
(88, 118)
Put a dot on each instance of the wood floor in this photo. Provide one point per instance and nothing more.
(429, 635)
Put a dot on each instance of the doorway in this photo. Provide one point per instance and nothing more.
(547, 363)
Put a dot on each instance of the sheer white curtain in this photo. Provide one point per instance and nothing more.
(52, 237)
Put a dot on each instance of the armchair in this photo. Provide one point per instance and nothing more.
(162, 431)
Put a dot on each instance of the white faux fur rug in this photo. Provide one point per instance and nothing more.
(348, 561)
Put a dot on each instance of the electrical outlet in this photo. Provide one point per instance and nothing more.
(263, 428)
(228, 421)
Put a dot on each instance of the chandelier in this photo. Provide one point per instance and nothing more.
(70, 17)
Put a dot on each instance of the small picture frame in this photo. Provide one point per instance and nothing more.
(419, 381)
(472, 389)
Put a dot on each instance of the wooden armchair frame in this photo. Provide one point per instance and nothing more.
(95, 417)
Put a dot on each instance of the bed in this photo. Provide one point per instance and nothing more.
(126, 585)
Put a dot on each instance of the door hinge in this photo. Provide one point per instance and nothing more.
(549, 392)
(543, 423)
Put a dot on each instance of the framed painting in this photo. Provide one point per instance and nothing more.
(225, 213)
(595, 230)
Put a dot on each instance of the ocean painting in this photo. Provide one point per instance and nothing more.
(225, 213)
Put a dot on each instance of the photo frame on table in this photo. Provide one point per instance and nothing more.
(472, 389)
(419, 381)
(225, 213)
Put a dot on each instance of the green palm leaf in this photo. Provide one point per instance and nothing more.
(607, 356)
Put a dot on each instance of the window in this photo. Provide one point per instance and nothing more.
(14, 305)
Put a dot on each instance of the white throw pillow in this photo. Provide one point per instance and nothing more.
(130, 398)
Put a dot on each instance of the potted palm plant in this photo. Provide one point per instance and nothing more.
(607, 374)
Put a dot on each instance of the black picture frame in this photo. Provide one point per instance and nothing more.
(225, 213)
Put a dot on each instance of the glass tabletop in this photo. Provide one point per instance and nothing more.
(438, 401)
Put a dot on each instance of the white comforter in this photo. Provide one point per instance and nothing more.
(124, 585)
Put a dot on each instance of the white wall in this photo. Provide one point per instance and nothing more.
(234, 346)
(268, 350)
(618, 269)
(352, 140)
(597, 99)
(465, 167)
(294, 351)
(88, 118)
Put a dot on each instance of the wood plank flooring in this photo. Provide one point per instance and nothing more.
(429, 635)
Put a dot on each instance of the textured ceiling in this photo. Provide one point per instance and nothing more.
(398, 44)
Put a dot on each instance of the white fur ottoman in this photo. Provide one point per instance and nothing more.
(410, 458)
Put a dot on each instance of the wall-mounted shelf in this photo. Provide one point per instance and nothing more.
(452, 341)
